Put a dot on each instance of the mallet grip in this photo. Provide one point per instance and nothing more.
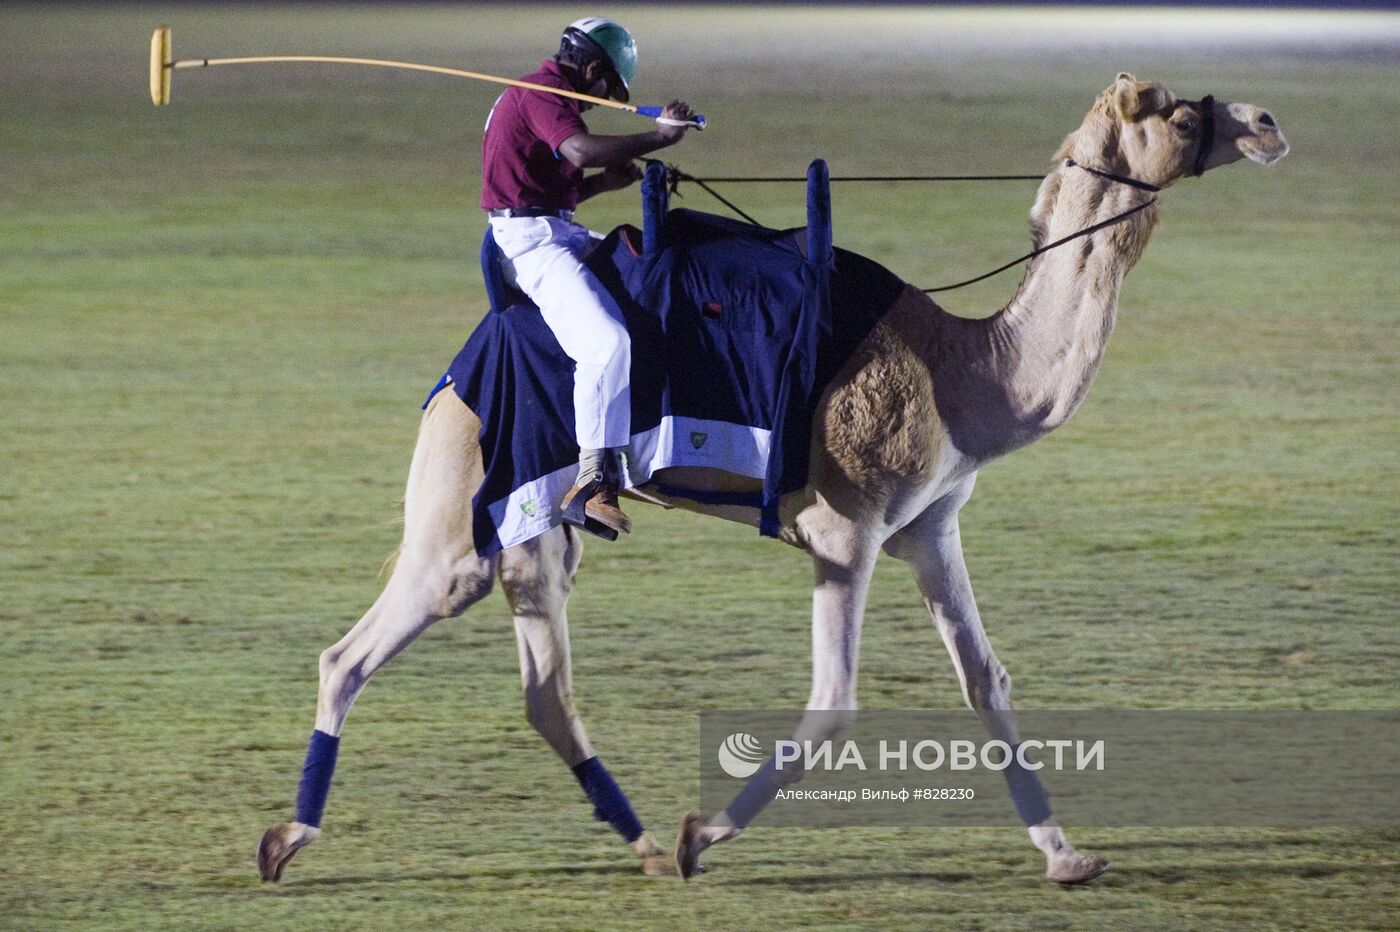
(698, 121)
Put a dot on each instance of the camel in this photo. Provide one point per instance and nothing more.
(899, 436)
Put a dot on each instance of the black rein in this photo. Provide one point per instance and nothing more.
(1206, 106)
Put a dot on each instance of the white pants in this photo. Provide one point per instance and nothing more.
(543, 257)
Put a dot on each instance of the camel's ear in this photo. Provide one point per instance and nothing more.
(1135, 99)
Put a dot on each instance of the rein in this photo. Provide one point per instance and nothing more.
(1087, 231)
(1206, 106)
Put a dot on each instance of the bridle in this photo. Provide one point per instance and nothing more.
(1206, 106)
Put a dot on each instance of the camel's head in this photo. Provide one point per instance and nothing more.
(1142, 130)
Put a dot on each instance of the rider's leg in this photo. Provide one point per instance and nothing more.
(543, 257)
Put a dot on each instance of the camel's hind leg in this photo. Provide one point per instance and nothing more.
(537, 577)
(437, 575)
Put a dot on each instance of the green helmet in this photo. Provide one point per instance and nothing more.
(595, 38)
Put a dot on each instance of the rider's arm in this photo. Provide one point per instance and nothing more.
(612, 178)
(589, 150)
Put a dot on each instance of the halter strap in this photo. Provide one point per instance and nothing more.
(1207, 106)
(1121, 179)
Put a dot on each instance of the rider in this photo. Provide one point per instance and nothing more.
(534, 152)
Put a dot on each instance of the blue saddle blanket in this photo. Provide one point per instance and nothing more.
(734, 337)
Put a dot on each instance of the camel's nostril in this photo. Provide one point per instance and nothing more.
(1266, 119)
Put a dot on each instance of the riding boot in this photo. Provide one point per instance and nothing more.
(591, 503)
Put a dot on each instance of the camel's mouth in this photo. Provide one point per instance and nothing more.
(1264, 151)
(1253, 132)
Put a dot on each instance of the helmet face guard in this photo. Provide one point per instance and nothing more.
(590, 40)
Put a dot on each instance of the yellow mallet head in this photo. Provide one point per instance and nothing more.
(160, 66)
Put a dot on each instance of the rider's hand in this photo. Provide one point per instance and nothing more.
(617, 177)
(675, 110)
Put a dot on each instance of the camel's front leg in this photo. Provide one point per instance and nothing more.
(932, 545)
(537, 577)
(843, 555)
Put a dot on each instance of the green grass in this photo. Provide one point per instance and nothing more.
(217, 321)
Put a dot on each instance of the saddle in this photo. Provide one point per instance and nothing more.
(735, 329)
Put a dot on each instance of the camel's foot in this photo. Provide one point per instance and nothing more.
(690, 842)
(1074, 868)
(656, 860)
(660, 865)
(1062, 863)
(278, 845)
(696, 835)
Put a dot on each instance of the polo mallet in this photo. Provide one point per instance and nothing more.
(162, 66)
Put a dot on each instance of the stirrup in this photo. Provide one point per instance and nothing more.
(575, 513)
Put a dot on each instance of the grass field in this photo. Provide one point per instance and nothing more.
(217, 321)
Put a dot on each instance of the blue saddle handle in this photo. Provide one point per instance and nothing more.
(698, 121)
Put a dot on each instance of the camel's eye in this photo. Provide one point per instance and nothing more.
(1188, 124)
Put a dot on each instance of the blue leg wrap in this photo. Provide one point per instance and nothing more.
(758, 793)
(610, 804)
(316, 777)
(1032, 802)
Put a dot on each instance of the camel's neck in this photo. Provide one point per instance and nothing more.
(1034, 361)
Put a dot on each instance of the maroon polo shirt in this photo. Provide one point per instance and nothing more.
(520, 161)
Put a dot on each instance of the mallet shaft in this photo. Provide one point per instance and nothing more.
(162, 65)
(411, 66)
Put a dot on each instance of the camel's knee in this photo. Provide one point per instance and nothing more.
(549, 712)
(342, 677)
(990, 687)
(544, 674)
